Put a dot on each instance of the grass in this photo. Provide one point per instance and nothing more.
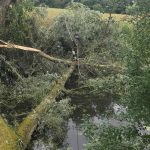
(49, 16)
(54, 12)
(116, 17)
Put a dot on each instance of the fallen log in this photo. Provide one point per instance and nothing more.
(11, 140)
(8, 138)
(29, 124)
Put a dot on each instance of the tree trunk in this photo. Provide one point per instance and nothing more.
(8, 137)
(22, 137)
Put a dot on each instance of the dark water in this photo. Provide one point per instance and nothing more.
(75, 138)
(84, 106)
(94, 107)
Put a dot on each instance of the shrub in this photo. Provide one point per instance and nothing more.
(83, 29)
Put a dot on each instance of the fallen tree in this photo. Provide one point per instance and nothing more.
(8, 138)
(54, 59)
(19, 139)
(29, 49)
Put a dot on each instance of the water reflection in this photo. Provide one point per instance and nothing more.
(91, 106)
(75, 139)
(95, 108)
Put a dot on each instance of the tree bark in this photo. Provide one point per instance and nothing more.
(8, 137)
(29, 124)
(9, 140)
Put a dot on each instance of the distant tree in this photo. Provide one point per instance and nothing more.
(53, 3)
(113, 6)
(132, 9)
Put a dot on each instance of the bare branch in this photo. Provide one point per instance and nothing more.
(54, 59)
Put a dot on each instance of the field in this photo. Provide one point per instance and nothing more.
(49, 15)
(116, 17)
(54, 12)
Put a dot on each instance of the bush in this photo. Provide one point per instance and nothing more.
(24, 95)
(108, 137)
(137, 89)
(83, 29)
(19, 23)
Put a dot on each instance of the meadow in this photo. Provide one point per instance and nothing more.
(54, 12)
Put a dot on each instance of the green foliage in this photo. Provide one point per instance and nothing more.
(136, 85)
(144, 6)
(28, 92)
(107, 85)
(97, 37)
(138, 71)
(97, 42)
(2, 87)
(138, 7)
(54, 121)
(137, 97)
(33, 88)
(53, 3)
(113, 6)
(108, 6)
(19, 24)
(137, 60)
(20, 28)
(108, 137)
(132, 9)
